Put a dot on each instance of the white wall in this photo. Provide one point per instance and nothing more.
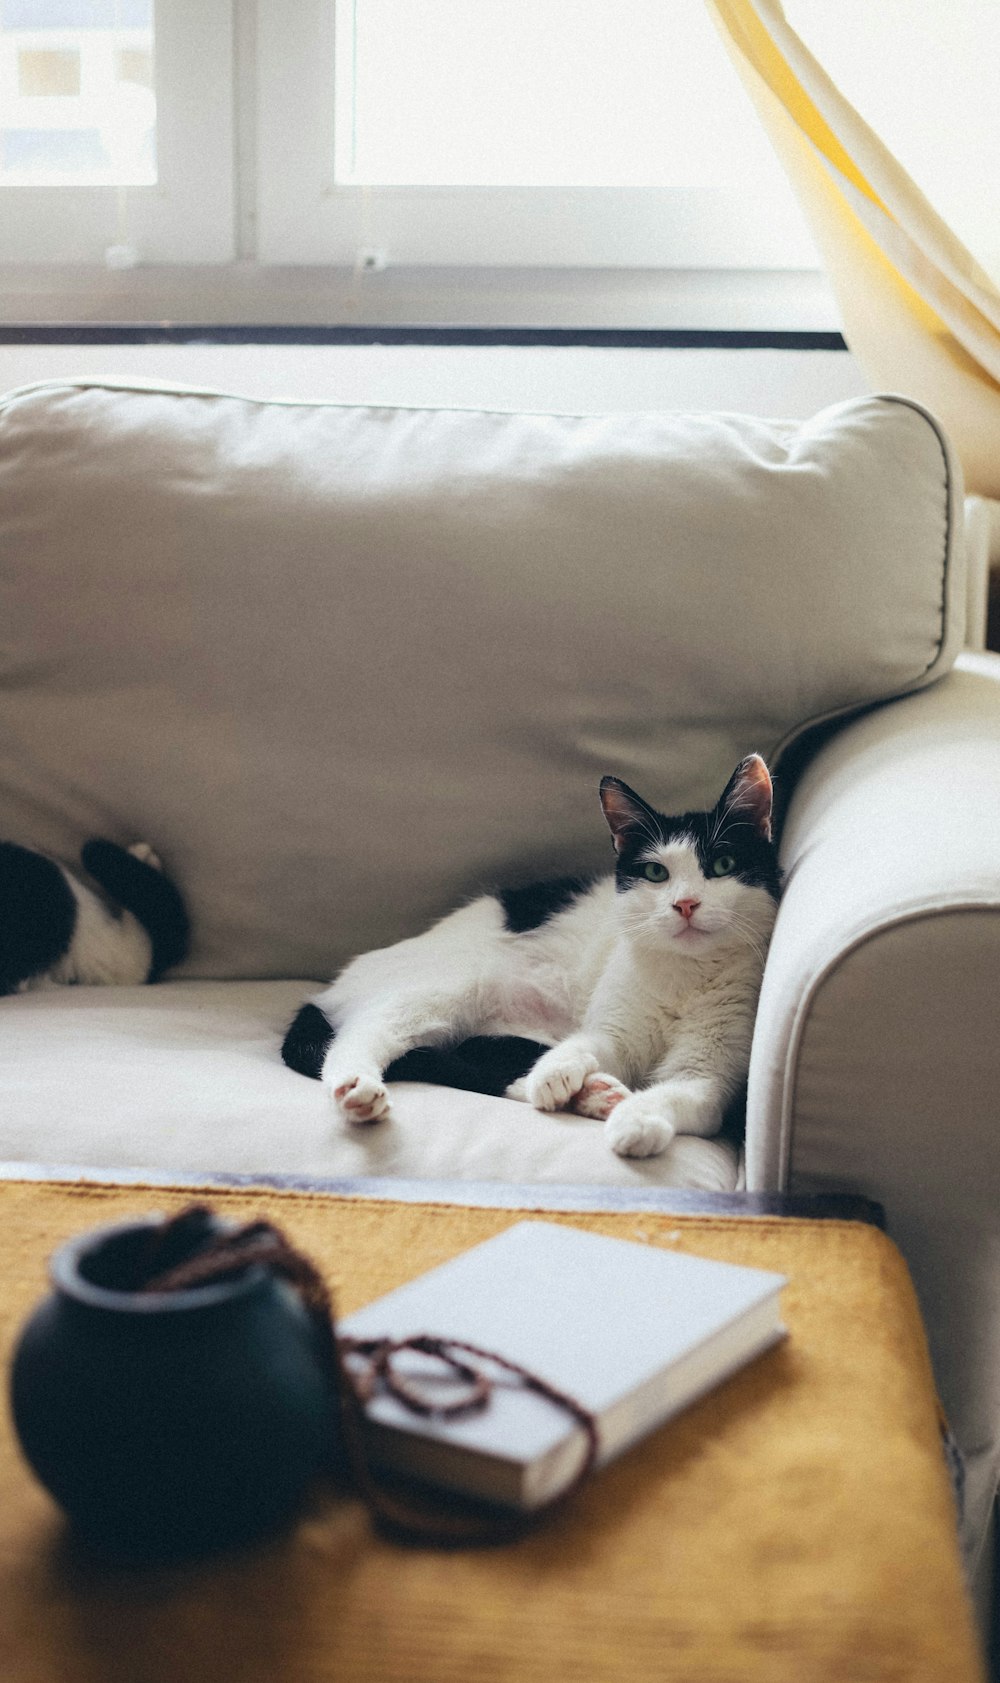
(789, 383)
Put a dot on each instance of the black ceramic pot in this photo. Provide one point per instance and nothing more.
(169, 1424)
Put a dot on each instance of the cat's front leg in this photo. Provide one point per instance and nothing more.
(559, 1076)
(644, 1124)
(596, 1099)
(599, 1096)
(560, 1073)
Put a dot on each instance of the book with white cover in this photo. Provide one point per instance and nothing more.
(633, 1332)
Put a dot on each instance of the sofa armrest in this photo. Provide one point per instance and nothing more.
(882, 991)
(876, 1058)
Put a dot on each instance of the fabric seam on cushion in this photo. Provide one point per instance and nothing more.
(919, 409)
(167, 388)
(808, 997)
(918, 681)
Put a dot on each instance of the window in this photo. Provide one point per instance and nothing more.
(605, 133)
(607, 93)
(116, 130)
(77, 104)
(440, 140)
(452, 138)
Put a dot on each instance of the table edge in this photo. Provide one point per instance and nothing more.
(839, 1206)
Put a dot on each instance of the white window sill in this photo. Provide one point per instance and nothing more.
(248, 294)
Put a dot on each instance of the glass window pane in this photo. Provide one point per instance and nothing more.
(542, 93)
(77, 103)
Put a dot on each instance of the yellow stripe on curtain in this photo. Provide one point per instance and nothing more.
(919, 312)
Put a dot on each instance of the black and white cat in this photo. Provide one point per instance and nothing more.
(629, 998)
(56, 929)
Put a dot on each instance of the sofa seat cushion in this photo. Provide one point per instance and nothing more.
(186, 1077)
(344, 667)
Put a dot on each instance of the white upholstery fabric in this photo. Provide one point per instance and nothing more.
(892, 840)
(186, 1076)
(876, 1058)
(345, 666)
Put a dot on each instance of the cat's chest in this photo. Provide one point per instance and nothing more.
(651, 998)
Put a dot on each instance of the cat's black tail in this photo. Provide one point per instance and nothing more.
(486, 1064)
(147, 894)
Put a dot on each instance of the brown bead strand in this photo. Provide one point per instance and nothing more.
(263, 1244)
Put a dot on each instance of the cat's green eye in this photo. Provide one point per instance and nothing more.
(723, 865)
(653, 871)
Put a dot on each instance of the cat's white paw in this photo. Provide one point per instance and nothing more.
(518, 1089)
(143, 851)
(599, 1095)
(638, 1128)
(557, 1076)
(361, 1098)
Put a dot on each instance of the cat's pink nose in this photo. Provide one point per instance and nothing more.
(687, 908)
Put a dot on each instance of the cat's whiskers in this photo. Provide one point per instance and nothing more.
(646, 922)
(745, 931)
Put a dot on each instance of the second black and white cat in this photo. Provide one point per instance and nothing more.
(630, 998)
(125, 926)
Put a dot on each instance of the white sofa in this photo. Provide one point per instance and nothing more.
(344, 666)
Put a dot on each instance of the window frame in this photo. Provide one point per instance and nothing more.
(187, 215)
(247, 225)
(305, 217)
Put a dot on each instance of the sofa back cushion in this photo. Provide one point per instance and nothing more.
(344, 666)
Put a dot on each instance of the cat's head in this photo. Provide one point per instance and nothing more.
(701, 880)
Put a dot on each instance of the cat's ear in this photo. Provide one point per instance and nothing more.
(748, 795)
(627, 814)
